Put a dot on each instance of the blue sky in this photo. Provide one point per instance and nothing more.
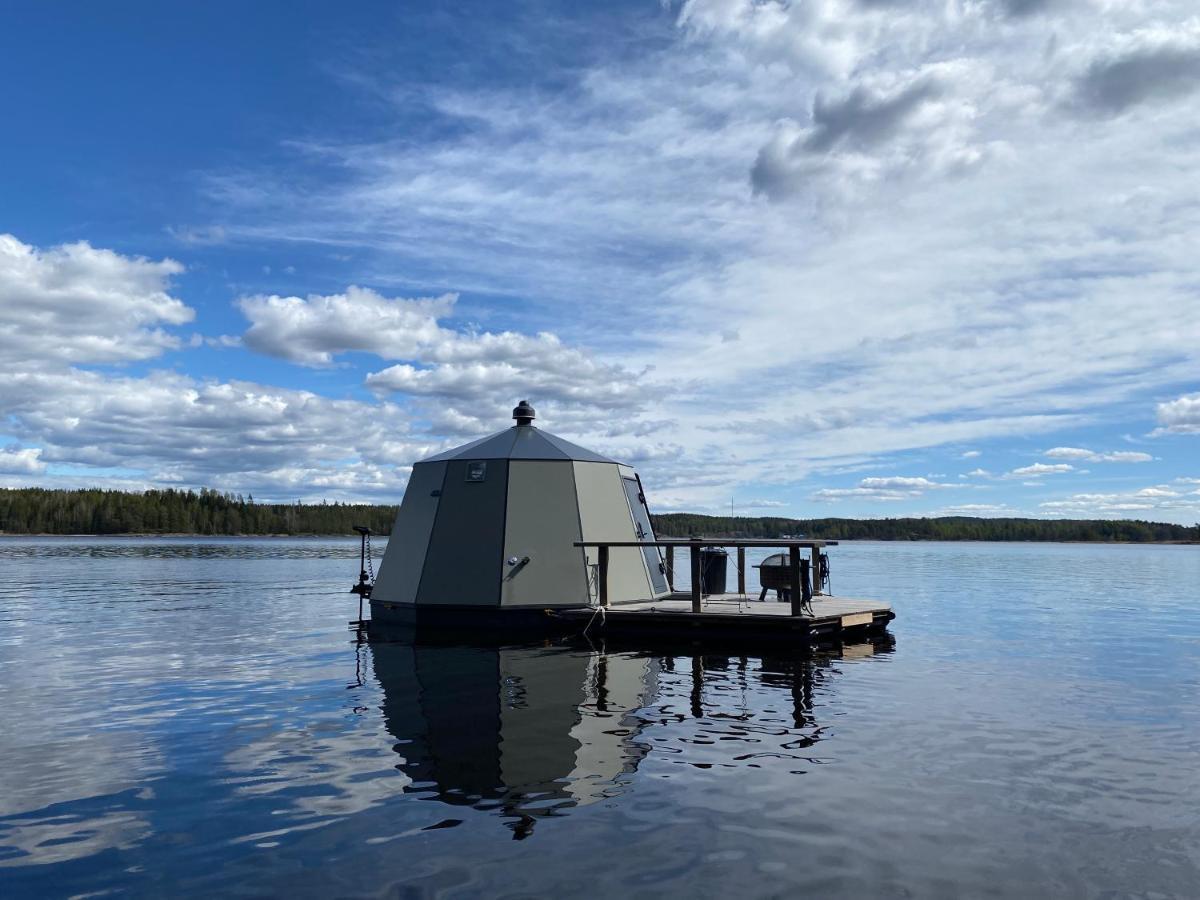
(839, 257)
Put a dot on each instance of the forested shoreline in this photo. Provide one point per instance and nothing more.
(36, 511)
(943, 528)
(207, 512)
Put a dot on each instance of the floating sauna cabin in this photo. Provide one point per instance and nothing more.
(490, 527)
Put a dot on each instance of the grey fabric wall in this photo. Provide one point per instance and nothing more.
(400, 572)
(467, 544)
(543, 523)
(606, 517)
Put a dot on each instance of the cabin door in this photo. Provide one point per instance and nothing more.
(645, 532)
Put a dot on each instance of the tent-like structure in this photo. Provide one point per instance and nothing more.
(492, 525)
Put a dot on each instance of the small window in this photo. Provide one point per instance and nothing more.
(476, 471)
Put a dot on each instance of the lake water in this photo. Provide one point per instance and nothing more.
(193, 717)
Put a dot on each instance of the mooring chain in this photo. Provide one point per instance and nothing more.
(370, 564)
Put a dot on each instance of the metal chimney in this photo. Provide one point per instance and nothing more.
(524, 413)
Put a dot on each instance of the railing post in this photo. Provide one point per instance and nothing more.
(815, 568)
(602, 575)
(797, 589)
(695, 549)
(741, 570)
(670, 568)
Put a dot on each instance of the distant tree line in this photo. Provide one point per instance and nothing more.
(945, 528)
(40, 511)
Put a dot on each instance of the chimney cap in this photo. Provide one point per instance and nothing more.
(524, 413)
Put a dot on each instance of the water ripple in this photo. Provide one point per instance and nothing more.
(192, 717)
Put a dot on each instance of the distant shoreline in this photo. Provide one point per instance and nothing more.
(715, 538)
(187, 514)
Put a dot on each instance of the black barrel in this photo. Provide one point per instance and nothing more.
(713, 562)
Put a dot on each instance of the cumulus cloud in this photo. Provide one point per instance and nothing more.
(67, 306)
(21, 461)
(233, 435)
(861, 493)
(312, 331)
(1081, 453)
(1158, 501)
(72, 305)
(863, 119)
(1154, 64)
(1018, 8)
(1040, 469)
(902, 482)
(883, 489)
(982, 510)
(971, 454)
(867, 134)
(957, 254)
(1179, 416)
(474, 370)
(761, 504)
(78, 304)
(467, 382)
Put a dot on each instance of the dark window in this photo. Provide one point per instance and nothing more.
(476, 471)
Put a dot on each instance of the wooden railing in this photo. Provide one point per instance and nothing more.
(696, 544)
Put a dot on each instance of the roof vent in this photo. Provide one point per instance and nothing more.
(524, 413)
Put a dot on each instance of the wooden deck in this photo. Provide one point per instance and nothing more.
(833, 618)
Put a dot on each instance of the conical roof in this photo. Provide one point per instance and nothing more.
(520, 442)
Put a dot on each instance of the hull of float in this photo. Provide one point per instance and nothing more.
(523, 624)
(474, 620)
(798, 631)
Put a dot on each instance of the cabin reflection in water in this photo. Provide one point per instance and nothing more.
(534, 732)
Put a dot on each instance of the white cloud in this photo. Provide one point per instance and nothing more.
(958, 244)
(1040, 469)
(861, 493)
(21, 461)
(1069, 453)
(882, 489)
(1080, 453)
(78, 304)
(230, 435)
(965, 196)
(910, 124)
(1179, 416)
(1146, 66)
(169, 428)
(313, 331)
(902, 482)
(982, 510)
(971, 454)
(207, 235)
(979, 473)
(474, 371)
(479, 383)
(1158, 502)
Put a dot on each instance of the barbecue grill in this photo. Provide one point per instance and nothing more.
(775, 574)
